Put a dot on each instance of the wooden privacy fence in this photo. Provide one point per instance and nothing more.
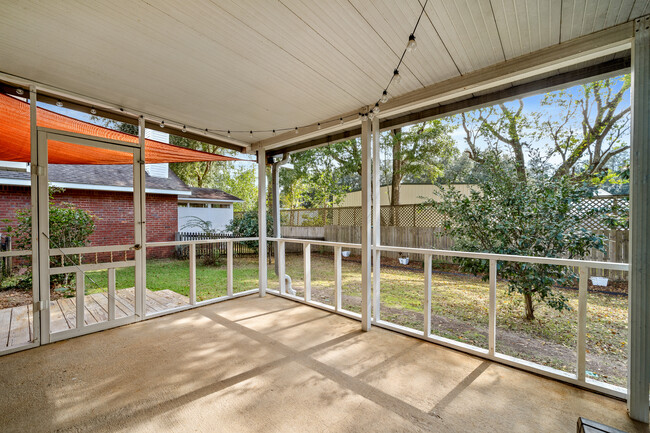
(420, 215)
(215, 249)
(617, 246)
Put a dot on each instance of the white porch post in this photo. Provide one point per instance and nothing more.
(376, 221)
(639, 276)
(365, 225)
(261, 217)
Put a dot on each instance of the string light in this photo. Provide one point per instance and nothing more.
(59, 103)
(396, 78)
(19, 91)
(93, 111)
(184, 129)
(412, 45)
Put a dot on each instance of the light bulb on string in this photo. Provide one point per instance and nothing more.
(371, 115)
(319, 126)
(250, 133)
(384, 97)
(184, 129)
(59, 103)
(296, 130)
(340, 121)
(19, 91)
(228, 134)
(162, 124)
(396, 77)
(376, 108)
(93, 111)
(274, 132)
(411, 45)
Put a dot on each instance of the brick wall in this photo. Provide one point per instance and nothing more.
(112, 211)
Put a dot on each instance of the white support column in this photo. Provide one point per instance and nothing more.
(366, 223)
(639, 276)
(140, 225)
(40, 279)
(261, 217)
(376, 222)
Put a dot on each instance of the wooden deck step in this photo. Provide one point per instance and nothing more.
(17, 323)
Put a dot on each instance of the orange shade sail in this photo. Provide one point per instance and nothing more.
(15, 141)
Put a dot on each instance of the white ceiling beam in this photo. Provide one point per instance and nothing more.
(585, 48)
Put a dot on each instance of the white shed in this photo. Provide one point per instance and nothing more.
(206, 204)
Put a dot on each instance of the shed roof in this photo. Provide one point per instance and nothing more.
(212, 194)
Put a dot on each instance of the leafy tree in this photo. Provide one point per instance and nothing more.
(419, 152)
(583, 129)
(245, 225)
(508, 215)
(69, 226)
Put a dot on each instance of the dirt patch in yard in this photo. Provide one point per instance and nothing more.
(602, 367)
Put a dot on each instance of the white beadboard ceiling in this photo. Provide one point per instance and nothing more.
(255, 64)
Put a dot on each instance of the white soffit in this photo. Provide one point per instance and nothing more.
(254, 64)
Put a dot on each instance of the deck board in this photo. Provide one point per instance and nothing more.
(19, 328)
(16, 324)
(5, 321)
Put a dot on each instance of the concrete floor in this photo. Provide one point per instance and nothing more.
(268, 364)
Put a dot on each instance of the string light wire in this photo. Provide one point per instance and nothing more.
(369, 111)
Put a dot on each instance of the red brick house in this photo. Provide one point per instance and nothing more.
(106, 192)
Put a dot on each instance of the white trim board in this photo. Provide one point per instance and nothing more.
(90, 187)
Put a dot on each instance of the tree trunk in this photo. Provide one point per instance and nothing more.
(530, 309)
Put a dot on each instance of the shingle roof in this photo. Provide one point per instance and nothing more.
(212, 194)
(105, 175)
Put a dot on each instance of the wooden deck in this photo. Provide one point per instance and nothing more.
(16, 326)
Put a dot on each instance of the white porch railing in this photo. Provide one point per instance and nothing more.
(490, 353)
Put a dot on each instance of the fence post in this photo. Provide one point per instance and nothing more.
(492, 312)
(229, 267)
(193, 274)
(582, 321)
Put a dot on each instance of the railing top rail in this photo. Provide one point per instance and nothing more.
(470, 255)
(15, 253)
(510, 257)
(197, 242)
(314, 242)
(84, 250)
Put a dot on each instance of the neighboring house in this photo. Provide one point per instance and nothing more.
(208, 204)
(106, 192)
